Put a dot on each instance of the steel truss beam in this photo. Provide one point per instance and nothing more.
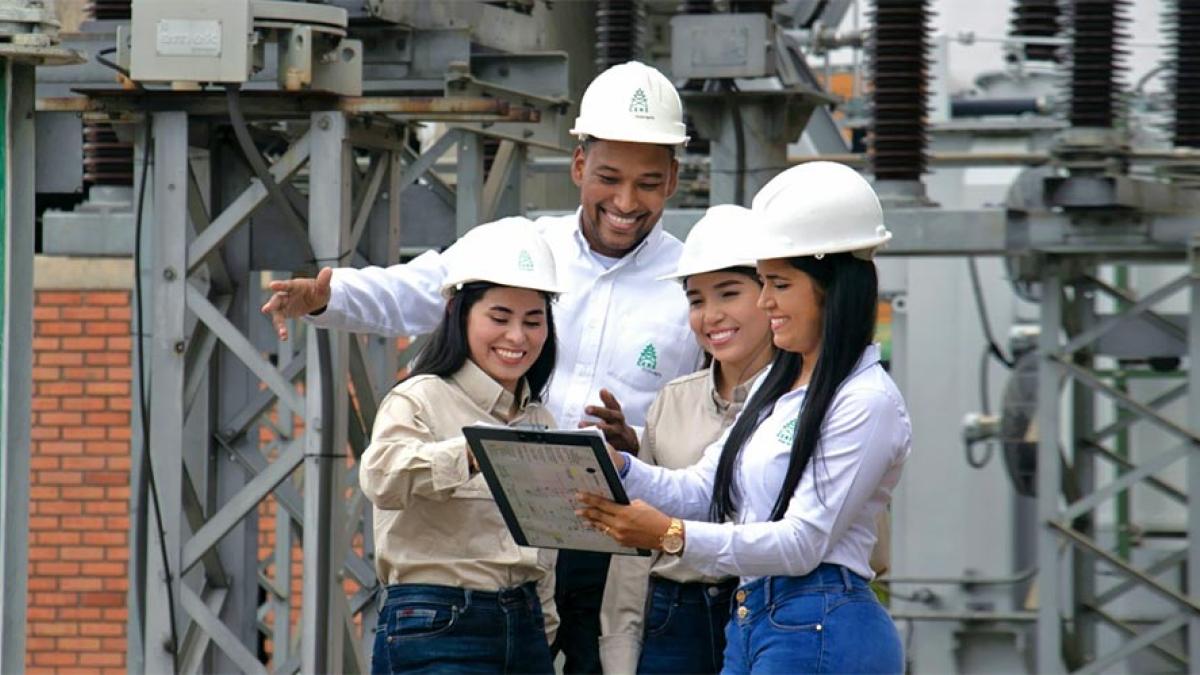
(1070, 554)
(214, 387)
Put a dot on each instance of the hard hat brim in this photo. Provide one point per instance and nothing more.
(682, 273)
(583, 130)
(761, 246)
(451, 287)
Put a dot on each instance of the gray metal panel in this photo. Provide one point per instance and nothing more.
(720, 45)
(82, 233)
(60, 160)
(16, 340)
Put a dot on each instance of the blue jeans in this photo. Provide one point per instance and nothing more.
(827, 621)
(685, 626)
(426, 629)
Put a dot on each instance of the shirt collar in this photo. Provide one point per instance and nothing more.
(642, 252)
(740, 393)
(870, 357)
(487, 393)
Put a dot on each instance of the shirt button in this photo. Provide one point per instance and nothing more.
(743, 612)
(741, 596)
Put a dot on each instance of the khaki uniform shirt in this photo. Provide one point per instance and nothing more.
(687, 417)
(435, 523)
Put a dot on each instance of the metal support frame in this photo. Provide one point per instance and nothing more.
(16, 340)
(215, 388)
(1072, 559)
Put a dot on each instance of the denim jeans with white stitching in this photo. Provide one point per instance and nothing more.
(828, 621)
(425, 628)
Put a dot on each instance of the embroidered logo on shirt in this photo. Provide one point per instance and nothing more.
(787, 432)
(648, 359)
(639, 104)
(525, 261)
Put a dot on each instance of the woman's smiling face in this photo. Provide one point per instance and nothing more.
(724, 318)
(794, 305)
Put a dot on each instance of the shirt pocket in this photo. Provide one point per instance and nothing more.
(649, 353)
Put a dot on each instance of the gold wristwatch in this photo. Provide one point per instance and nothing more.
(672, 539)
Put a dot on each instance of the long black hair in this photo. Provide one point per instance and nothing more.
(848, 288)
(448, 348)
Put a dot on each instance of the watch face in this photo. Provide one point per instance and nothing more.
(672, 543)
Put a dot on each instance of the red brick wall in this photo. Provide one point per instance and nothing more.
(79, 482)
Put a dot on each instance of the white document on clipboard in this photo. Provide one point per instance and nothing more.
(534, 476)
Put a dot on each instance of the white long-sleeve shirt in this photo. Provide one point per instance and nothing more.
(831, 517)
(618, 326)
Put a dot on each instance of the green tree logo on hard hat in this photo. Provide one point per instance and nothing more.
(525, 261)
(787, 432)
(639, 104)
(648, 359)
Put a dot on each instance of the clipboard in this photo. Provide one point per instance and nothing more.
(534, 475)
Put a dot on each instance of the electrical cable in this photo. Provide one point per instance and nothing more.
(147, 473)
(978, 463)
(115, 66)
(985, 408)
(981, 307)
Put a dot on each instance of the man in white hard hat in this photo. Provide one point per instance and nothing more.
(623, 334)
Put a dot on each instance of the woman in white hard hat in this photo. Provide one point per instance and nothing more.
(658, 615)
(460, 593)
(813, 457)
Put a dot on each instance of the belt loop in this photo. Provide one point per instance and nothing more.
(466, 598)
(846, 578)
(768, 583)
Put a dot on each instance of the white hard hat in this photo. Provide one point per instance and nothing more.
(507, 253)
(813, 209)
(631, 102)
(714, 242)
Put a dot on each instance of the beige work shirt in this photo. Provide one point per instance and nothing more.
(435, 522)
(688, 416)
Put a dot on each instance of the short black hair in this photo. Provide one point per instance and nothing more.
(585, 143)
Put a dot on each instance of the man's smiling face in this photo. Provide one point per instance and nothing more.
(623, 189)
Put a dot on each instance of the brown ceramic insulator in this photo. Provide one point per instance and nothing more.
(898, 50)
(750, 7)
(1038, 19)
(1096, 61)
(1182, 23)
(106, 159)
(110, 10)
(618, 32)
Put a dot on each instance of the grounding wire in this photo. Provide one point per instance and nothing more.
(148, 473)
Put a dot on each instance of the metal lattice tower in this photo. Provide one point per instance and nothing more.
(1083, 578)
